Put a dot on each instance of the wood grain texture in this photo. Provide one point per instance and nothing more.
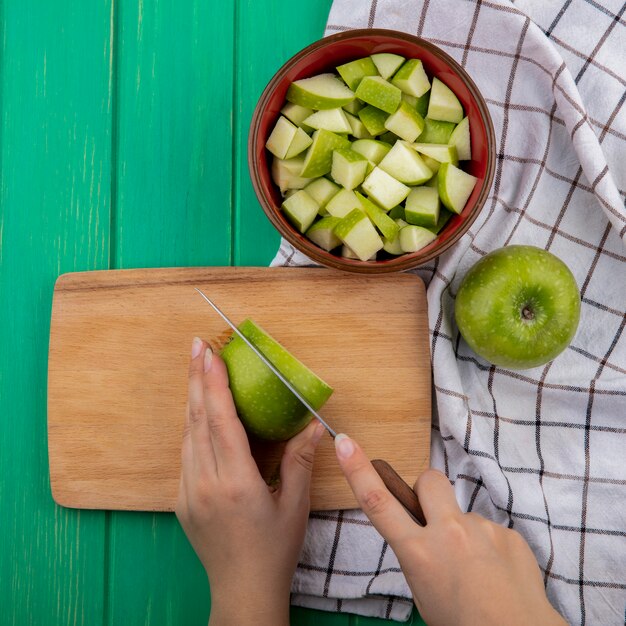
(268, 34)
(173, 207)
(54, 217)
(119, 348)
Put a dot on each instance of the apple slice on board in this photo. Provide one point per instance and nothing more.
(266, 407)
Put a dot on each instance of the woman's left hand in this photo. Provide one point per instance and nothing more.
(247, 536)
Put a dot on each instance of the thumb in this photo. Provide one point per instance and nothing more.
(375, 500)
(297, 463)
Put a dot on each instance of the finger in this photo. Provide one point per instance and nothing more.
(296, 466)
(230, 442)
(436, 495)
(196, 419)
(384, 511)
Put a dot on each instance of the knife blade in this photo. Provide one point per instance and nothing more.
(392, 480)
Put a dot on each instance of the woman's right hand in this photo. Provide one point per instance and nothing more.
(461, 568)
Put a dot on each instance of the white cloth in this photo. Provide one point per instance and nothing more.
(543, 450)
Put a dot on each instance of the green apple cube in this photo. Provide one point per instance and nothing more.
(297, 114)
(443, 104)
(357, 232)
(375, 90)
(406, 122)
(373, 119)
(436, 131)
(300, 142)
(387, 63)
(342, 203)
(392, 246)
(347, 253)
(286, 173)
(379, 218)
(421, 106)
(401, 223)
(354, 71)
(319, 156)
(410, 100)
(334, 120)
(372, 149)
(281, 137)
(322, 233)
(422, 207)
(353, 107)
(349, 168)
(439, 152)
(460, 138)
(322, 190)
(405, 165)
(397, 212)
(384, 189)
(414, 238)
(358, 128)
(434, 181)
(300, 210)
(389, 138)
(455, 186)
(264, 404)
(324, 91)
(411, 78)
(444, 217)
(431, 164)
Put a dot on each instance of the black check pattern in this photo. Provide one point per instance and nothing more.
(542, 450)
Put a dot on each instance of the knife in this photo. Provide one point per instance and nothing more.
(392, 480)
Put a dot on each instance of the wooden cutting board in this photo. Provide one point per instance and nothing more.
(119, 351)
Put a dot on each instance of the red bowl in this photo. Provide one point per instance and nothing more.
(323, 56)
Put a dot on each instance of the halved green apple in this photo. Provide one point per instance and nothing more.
(264, 404)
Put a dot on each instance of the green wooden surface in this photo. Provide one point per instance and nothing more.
(123, 144)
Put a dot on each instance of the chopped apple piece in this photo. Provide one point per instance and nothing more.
(387, 63)
(375, 90)
(455, 186)
(324, 91)
(322, 233)
(348, 168)
(405, 165)
(354, 71)
(422, 207)
(443, 104)
(357, 232)
(301, 210)
(411, 78)
(384, 189)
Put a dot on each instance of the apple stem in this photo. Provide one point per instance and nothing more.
(527, 313)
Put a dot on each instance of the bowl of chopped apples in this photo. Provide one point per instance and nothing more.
(371, 151)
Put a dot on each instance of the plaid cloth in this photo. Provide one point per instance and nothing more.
(541, 450)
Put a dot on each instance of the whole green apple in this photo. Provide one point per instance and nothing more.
(518, 307)
(266, 407)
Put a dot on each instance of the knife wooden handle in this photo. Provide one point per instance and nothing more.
(401, 491)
